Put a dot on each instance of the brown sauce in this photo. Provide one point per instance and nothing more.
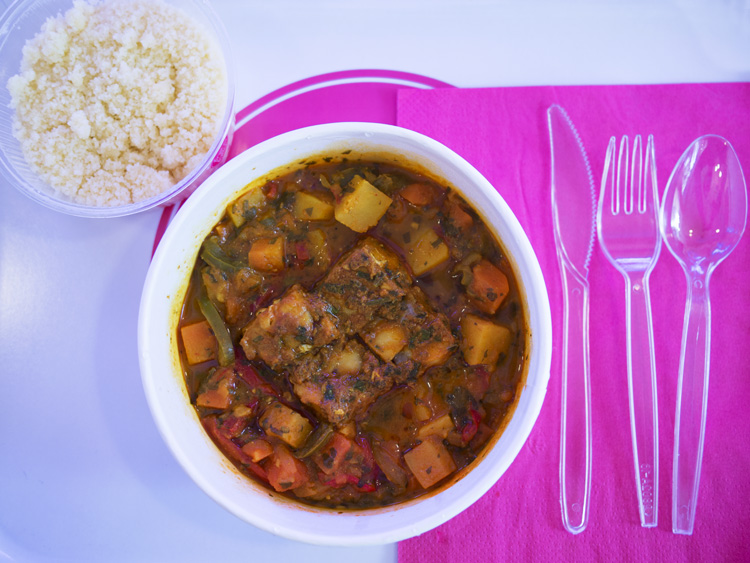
(370, 339)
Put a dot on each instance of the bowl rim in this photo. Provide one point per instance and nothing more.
(212, 24)
(347, 529)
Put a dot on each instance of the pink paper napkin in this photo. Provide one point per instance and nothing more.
(503, 133)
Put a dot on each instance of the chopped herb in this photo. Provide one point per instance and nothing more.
(328, 457)
(424, 334)
(414, 371)
(335, 288)
(248, 212)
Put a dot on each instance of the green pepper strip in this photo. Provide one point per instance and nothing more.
(315, 441)
(213, 254)
(220, 330)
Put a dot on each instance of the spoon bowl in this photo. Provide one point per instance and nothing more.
(703, 217)
(705, 205)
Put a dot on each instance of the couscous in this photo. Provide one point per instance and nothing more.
(117, 101)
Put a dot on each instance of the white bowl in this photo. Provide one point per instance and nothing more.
(164, 385)
(20, 22)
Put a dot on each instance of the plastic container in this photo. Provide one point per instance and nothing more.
(21, 22)
(165, 389)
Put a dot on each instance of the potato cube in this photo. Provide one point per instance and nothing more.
(318, 248)
(282, 422)
(267, 255)
(386, 339)
(200, 342)
(430, 461)
(440, 427)
(345, 362)
(361, 208)
(483, 341)
(216, 283)
(422, 411)
(245, 207)
(433, 353)
(426, 252)
(309, 207)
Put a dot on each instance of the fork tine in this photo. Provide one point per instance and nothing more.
(608, 180)
(623, 176)
(651, 188)
(637, 194)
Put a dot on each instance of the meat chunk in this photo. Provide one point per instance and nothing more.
(365, 282)
(429, 340)
(368, 294)
(340, 382)
(295, 324)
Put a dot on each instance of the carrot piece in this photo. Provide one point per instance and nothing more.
(257, 449)
(430, 461)
(217, 398)
(418, 194)
(229, 448)
(458, 216)
(285, 472)
(488, 286)
(199, 341)
(267, 255)
(332, 455)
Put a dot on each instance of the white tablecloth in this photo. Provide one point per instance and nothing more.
(84, 475)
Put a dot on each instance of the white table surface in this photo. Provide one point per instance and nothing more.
(84, 475)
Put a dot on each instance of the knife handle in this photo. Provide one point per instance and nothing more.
(575, 429)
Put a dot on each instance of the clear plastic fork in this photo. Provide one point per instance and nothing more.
(628, 230)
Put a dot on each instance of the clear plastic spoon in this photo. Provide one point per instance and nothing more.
(703, 216)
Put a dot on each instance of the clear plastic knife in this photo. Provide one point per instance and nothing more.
(573, 216)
